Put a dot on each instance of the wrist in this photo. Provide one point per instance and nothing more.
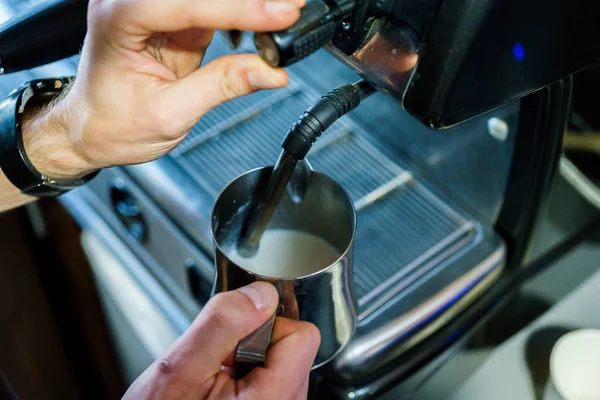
(47, 129)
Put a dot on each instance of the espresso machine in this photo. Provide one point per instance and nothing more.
(449, 164)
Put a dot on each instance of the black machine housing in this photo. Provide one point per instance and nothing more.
(474, 55)
(478, 55)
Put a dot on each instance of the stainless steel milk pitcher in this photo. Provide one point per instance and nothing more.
(324, 298)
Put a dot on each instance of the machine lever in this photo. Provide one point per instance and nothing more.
(317, 25)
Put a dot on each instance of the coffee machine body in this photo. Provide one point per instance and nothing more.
(461, 67)
(449, 166)
(473, 56)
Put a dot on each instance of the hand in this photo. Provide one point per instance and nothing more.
(139, 89)
(196, 365)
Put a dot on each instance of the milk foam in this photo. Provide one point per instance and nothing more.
(286, 253)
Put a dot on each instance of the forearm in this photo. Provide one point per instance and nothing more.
(10, 196)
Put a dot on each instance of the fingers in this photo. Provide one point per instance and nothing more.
(149, 16)
(193, 38)
(288, 363)
(297, 340)
(223, 79)
(196, 357)
(177, 53)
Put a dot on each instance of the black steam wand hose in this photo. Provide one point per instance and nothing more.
(296, 145)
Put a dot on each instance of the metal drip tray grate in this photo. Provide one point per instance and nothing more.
(402, 226)
(222, 119)
(398, 237)
(215, 158)
(357, 165)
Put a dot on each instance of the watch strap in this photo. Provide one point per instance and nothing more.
(14, 162)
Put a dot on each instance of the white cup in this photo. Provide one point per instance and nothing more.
(575, 365)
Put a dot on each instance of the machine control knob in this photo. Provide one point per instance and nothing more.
(128, 211)
(315, 28)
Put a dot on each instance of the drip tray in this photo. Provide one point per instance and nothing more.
(401, 224)
(403, 227)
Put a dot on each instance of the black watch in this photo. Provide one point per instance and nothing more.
(13, 160)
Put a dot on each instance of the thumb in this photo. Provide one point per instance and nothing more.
(222, 79)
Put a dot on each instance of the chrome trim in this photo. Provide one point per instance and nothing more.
(178, 195)
(390, 289)
(137, 306)
(388, 58)
(90, 219)
(584, 186)
(389, 377)
(95, 196)
(373, 348)
(370, 198)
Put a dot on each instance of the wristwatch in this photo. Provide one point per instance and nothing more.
(14, 162)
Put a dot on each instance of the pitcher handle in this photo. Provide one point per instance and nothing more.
(252, 350)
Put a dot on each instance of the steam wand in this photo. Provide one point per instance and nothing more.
(296, 145)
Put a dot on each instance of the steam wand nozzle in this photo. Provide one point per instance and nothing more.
(296, 145)
(322, 114)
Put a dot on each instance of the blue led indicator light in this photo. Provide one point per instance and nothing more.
(518, 52)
